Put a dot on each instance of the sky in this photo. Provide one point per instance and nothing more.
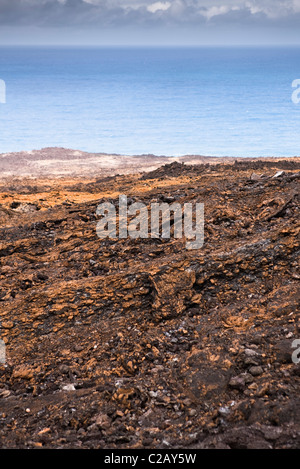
(149, 22)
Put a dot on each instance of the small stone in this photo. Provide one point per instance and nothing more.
(263, 390)
(23, 373)
(255, 177)
(271, 433)
(7, 324)
(103, 421)
(64, 369)
(187, 402)
(237, 382)
(45, 430)
(253, 386)
(256, 370)
(4, 393)
(69, 387)
(251, 353)
(248, 378)
(224, 411)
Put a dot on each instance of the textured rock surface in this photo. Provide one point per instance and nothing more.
(142, 343)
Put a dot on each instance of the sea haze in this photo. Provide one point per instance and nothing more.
(164, 101)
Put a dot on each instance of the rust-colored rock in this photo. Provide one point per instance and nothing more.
(162, 347)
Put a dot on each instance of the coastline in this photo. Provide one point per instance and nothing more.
(61, 162)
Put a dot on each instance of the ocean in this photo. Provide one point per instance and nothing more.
(217, 101)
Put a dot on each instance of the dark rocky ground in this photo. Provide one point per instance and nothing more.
(142, 343)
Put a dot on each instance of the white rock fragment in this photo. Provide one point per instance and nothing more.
(69, 387)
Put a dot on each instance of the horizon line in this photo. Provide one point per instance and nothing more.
(142, 46)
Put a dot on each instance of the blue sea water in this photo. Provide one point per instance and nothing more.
(164, 101)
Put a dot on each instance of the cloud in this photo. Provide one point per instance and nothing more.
(217, 11)
(86, 12)
(108, 14)
(158, 6)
